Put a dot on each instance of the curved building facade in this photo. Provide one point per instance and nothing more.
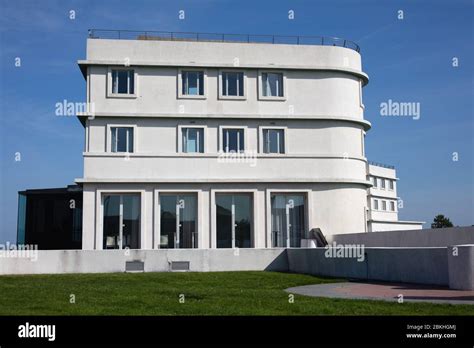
(206, 144)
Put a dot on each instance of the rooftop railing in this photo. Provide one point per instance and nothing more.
(219, 37)
(381, 165)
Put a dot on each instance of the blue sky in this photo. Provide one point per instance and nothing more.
(408, 60)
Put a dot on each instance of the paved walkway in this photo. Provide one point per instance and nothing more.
(386, 292)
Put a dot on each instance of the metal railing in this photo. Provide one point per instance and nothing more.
(219, 37)
(381, 165)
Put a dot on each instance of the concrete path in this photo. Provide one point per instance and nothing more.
(387, 292)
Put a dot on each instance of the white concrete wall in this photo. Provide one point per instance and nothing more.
(434, 237)
(410, 265)
(106, 261)
(381, 226)
(309, 94)
(188, 53)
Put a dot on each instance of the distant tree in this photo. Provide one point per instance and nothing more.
(440, 221)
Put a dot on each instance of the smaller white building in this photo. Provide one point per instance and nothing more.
(383, 201)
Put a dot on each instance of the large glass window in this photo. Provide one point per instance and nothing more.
(273, 141)
(272, 84)
(288, 219)
(178, 221)
(233, 140)
(233, 84)
(121, 224)
(123, 81)
(192, 82)
(122, 139)
(233, 220)
(193, 140)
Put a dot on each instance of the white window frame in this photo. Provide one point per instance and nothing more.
(375, 182)
(394, 206)
(109, 138)
(383, 185)
(261, 143)
(180, 84)
(384, 205)
(260, 85)
(110, 93)
(180, 138)
(221, 85)
(376, 204)
(391, 185)
(221, 137)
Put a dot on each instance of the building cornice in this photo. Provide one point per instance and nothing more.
(217, 181)
(366, 124)
(83, 64)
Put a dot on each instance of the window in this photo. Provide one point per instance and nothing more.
(382, 182)
(384, 205)
(376, 204)
(192, 83)
(232, 84)
(391, 184)
(123, 81)
(273, 141)
(122, 139)
(193, 140)
(272, 84)
(392, 206)
(233, 140)
(375, 181)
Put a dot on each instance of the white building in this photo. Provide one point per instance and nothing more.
(208, 144)
(383, 201)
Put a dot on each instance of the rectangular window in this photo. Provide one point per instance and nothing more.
(391, 183)
(392, 206)
(192, 83)
(273, 141)
(272, 84)
(375, 181)
(233, 84)
(376, 204)
(122, 139)
(382, 182)
(384, 205)
(193, 140)
(233, 140)
(123, 81)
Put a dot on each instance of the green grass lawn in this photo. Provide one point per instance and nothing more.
(220, 293)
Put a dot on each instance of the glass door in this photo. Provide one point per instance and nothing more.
(233, 220)
(178, 221)
(288, 220)
(121, 224)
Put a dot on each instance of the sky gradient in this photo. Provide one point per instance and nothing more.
(407, 60)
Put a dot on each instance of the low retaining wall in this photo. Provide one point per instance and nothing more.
(105, 261)
(437, 266)
(429, 238)
(410, 265)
